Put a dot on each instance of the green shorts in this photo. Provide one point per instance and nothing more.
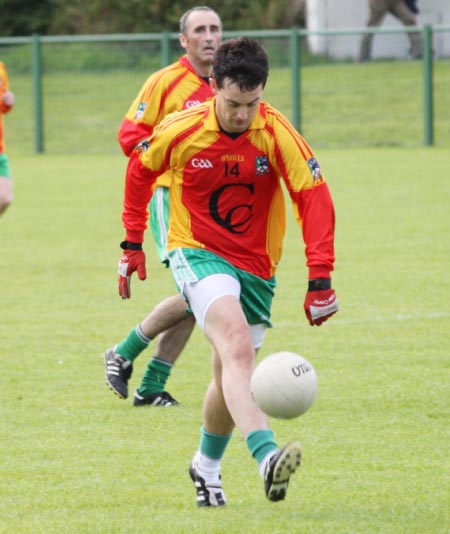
(5, 170)
(256, 294)
(159, 221)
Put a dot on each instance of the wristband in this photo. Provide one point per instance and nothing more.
(127, 245)
(319, 284)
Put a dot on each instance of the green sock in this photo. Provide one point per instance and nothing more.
(155, 377)
(133, 344)
(260, 443)
(213, 445)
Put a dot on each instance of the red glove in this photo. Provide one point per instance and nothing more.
(320, 304)
(131, 261)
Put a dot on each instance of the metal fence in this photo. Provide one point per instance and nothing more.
(73, 91)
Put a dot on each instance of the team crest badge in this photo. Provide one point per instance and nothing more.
(140, 110)
(142, 147)
(262, 165)
(314, 167)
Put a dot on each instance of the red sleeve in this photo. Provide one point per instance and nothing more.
(138, 192)
(131, 133)
(316, 211)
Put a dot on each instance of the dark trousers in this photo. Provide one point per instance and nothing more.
(398, 8)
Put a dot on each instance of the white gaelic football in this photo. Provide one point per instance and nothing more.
(284, 385)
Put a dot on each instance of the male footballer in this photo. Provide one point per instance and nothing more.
(7, 100)
(224, 163)
(182, 85)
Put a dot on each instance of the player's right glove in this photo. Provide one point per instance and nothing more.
(320, 301)
(133, 259)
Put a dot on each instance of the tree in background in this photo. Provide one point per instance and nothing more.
(69, 17)
(110, 16)
(24, 17)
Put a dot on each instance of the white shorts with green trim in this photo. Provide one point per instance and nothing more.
(202, 277)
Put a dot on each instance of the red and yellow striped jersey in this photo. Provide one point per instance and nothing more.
(226, 194)
(173, 88)
(4, 86)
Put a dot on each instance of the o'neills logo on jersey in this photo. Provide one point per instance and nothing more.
(232, 157)
(192, 103)
(199, 163)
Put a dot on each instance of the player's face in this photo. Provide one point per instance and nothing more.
(202, 39)
(235, 109)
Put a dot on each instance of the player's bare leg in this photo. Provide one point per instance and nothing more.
(228, 401)
(228, 331)
(215, 434)
(171, 343)
(6, 195)
(216, 416)
(165, 315)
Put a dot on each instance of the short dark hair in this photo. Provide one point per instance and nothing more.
(185, 16)
(242, 60)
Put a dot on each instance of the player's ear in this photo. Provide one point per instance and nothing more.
(182, 39)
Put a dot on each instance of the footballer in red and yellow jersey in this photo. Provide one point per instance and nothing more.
(4, 108)
(236, 189)
(173, 88)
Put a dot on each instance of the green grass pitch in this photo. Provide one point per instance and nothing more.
(76, 459)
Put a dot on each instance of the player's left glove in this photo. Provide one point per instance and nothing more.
(320, 301)
(133, 259)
